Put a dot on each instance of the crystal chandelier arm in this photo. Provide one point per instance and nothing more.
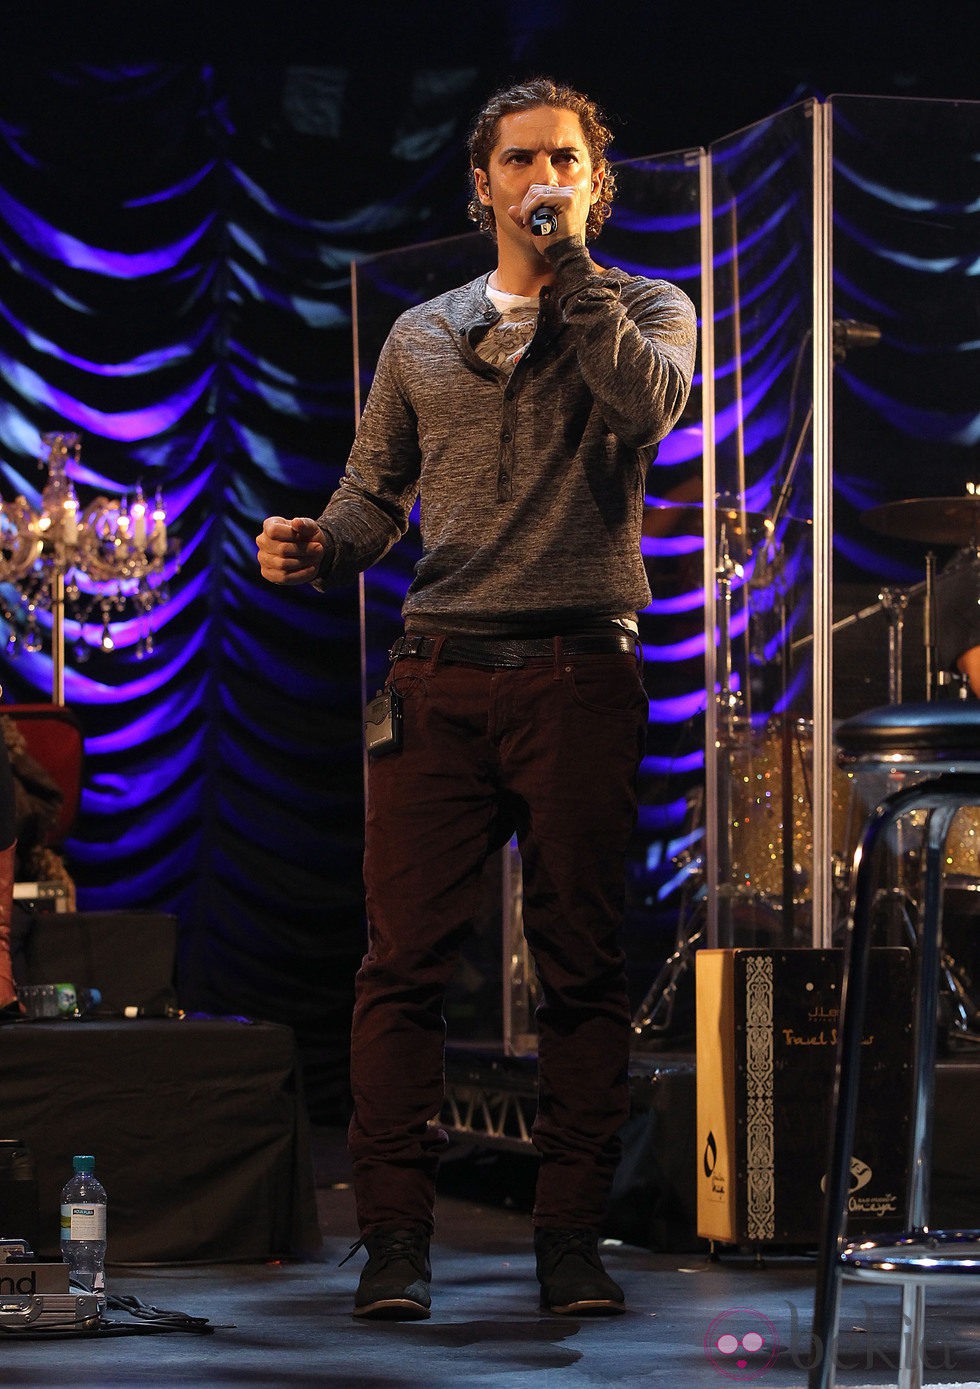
(20, 540)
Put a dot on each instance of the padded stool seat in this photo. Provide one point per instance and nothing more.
(942, 1256)
(929, 737)
(938, 744)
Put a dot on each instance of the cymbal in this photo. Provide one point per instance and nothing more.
(930, 520)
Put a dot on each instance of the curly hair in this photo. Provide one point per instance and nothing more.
(524, 96)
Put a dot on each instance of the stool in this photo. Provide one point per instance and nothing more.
(941, 740)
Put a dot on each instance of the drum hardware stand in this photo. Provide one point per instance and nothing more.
(840, 878)
(952, 684)
(958, 1012)
(957, 1009)
(929, 626)
(655, 1014)
(770, 574)
(959, 1016)
(786, 649)
(954, 681)
(894, 601)
(870, 611)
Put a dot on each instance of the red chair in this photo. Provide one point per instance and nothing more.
(54, 739)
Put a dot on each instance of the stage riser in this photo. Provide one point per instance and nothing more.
(654, 1197)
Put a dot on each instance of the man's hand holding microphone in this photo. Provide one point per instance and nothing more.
(543, 207)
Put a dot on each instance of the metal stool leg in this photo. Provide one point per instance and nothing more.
(844, 1107)
(923, 1070)
(927, 1015)
(942, 807)
(913, 1335)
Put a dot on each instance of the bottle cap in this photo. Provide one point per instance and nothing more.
(83, 1164)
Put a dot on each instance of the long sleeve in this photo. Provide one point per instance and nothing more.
(369, 511)
(637, 362)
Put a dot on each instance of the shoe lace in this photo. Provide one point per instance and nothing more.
(398, 1244)
(581, 1242)
(352, 1251)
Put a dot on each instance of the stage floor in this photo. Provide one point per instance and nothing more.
(289, 1323)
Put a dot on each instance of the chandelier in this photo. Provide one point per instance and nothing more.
(83, 566)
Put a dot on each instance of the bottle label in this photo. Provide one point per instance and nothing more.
(82, 1221)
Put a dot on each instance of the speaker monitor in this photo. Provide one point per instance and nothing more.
(128, 956)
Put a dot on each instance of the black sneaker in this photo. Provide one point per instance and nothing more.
(571, 1275)
(394, 1283)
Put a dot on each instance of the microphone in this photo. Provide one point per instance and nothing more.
(544, 221)
(848, 332)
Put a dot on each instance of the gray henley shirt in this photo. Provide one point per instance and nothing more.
(531, 482)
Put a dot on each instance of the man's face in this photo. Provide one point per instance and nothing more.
(540, 147)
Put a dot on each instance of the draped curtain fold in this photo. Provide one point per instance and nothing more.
(176, 244)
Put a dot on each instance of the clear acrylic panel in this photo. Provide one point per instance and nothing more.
(763, 182)
(906, 430)
(655, 231)
(906, 422)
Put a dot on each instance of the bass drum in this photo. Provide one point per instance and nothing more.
(963, 848)
(961, 921)
(901, 868)
(756, 761)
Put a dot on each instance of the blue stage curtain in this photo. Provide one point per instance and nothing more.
(176, 244)
(175, 241)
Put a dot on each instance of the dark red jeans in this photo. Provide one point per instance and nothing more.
(551, 751)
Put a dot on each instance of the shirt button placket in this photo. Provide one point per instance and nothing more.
(505, 459)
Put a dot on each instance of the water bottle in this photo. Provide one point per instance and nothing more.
(83, 1227)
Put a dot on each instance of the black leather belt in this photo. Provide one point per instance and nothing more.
(512, 652)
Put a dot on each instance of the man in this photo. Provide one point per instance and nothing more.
(526, 406)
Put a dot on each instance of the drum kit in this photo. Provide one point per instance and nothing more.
(765, 771)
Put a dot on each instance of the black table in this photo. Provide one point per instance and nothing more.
(198, 1128)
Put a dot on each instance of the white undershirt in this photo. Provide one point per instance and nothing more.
(508, 339)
